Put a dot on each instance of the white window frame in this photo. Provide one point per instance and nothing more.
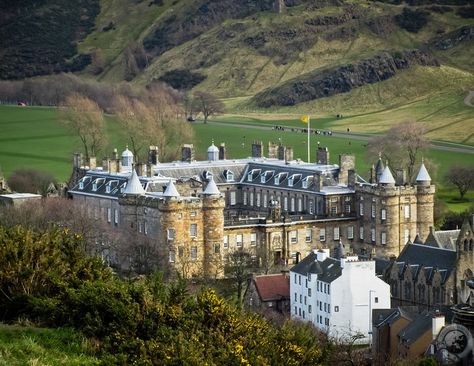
(372, 210)
(293, 236)
(245, 198)
(233, 198)
(407, 211)
(193, 230)
(383, 238)
(253, 239)
(258, 199)
(194, 253)
(350, 232)
(170, 233)
(372, 235)
(361, 208)
(172, 256)
(300, 204)
(285, 203)
(336, 233)
(251, 196)
(116, 216)
(226, 241)
(383, 214)
(361, 233)
(109, 214)
(322, 234)
(239, 240)
(309, 235)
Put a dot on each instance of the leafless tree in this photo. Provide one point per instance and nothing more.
(207, 104)
(462, 177)
(85, 118)
(239, 266)
(31, 181)
(401, 146)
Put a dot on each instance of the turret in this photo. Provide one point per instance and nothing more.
(127, 159)
(213, 152)
(134, 187)
(386, 178)
(425, 201)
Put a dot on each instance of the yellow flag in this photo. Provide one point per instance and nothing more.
(305, 119)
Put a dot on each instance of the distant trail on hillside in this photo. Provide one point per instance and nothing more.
(468, 99)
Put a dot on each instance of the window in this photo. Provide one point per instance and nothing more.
(372, 235)
(300, 204)
(262, 178)
(376, 300)
(217, 248)
(226, 241)
(229, 175)
(372, 211)
(305, 183)
(239, 240)
(244, 200)
(192, 214)
(350, 232)
(253, 239)
(309, 309)
(109, 214)
(334, 210)
(295, 278)
(309, 235)
(336, 233)
(292, 204)
(265, 200)
(407, 235)
(299, 280)
(322, 234)
(348, 208)
(170, 234)
(293, 237)
(116, 217)
(303, 314)
(277, 180)
(361, 208)
(309, 292)
(361, 233)
(383, 238)
(336, 309)
(233, 198)
(296, 310)
(305, 300)
(251, 199)
(290, 181)
(193, 230)
(145, 228)
(194, 253)
(250, 176)
(311, 207)
(285, 203)
(301, 299)
(172, 256)
(140, 226)
(258, 199)
(317, 286)
(407, 211)
(383, 214)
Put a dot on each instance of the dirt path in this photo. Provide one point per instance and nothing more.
(468, 99)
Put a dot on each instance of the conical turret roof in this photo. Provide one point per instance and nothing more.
(386, 177)
(171, 190)
(211, 188)
(423, 175)
(134, 187)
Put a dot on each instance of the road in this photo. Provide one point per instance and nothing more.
(436, 145)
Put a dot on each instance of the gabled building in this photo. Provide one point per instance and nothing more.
(337, 295)
(269, 292)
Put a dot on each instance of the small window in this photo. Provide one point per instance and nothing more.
(322, 234)
(336, 309)
(172, 256)
(145, 228)
(109, 214)
(233, 198)
(372, 235)
(265, 200)
(170, 234)
(309, 235)
(334, 210)
(305, 183)
(285, 203)
(383, 238)
(229, 176)
(372, 210)
(258, 203)
(192, 214)
(361, 233)
(311, 207)
(251, 199)
(277, 180)
(376, 300)
(194, 252)
(226, 241)
(293, 236)
(348, 208)
(239, 240)
(309, 309)
(361, 209)
(292, 204)
(383, 214)
(193, 230)
(350, 232)
(244, 198)
(116, 217)
(300, 204)
(253, 239)
(263, 178)
(407, 211)
(336, 233)
(217, 248)
(309, 292)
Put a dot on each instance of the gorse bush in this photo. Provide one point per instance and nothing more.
(45, 276)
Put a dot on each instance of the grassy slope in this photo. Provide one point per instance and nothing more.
(38, 346)
(32, 137)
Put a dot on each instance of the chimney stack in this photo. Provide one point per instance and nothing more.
(222, 154)
(187, 153)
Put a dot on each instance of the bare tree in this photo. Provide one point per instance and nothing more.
(207, 104)
(85, 118)
(462, 177)
(401, 146)
(239, 267)
(31, 181)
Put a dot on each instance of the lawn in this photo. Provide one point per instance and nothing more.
(38, 346)
(33, 137)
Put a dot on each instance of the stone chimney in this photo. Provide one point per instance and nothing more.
(322, 155)
(346, 163)
(257, 149)
(272, 150)
(153, 155)
(150, 170)
(289, 154)
(115, 155)
(92, 163)
(281, 154)
(187, 152)
(222, 154)
(400, 177)
(351, 178)
(322, 254)
(317, 183)
(140, 169)
(77, 162)
(437, 323)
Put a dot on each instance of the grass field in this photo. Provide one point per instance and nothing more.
(40, 347)
(33, 137)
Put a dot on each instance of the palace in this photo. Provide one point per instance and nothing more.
(277, 208)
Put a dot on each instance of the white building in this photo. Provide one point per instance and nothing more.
(337, 295)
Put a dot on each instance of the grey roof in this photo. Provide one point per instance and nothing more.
(127, 153)
(379, 168)
(387, 177)
(427, 256)
(447, 238)
(423, 175)
(171, 190)
(211, 188)
(134, 187)
(381, 265)
(415, 329)
(327, 270)
(213, 148)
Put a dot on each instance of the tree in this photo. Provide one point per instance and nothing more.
(98, 61)
(401, 146)
(85, 118)
(462, 177)
(239, 266)
(31, 181)
(207, 104)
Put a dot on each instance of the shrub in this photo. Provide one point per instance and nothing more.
(412, 20)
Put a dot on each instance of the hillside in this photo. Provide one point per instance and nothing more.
(263, 55)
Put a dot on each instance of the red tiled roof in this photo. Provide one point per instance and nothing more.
(273, 287)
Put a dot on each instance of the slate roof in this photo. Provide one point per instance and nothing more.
(134, 185)
(428, 256)
(171, 190)
(327, 270)
(423, 175)
(387, 177)
(416, 328)
(447, 238)
(273, 287)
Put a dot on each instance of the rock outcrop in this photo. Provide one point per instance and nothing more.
(342, 79)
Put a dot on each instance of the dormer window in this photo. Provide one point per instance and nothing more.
(206, 175)
(110, 186)
(262, 178)
(83, 182)
(305, 182)
(252, 174)
(277, 180)
(81, 185)
(229, 175)
(122, 187)
(290, 181)
(96, 184)
(249, 176)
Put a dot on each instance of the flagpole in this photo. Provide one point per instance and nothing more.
(309, 127)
